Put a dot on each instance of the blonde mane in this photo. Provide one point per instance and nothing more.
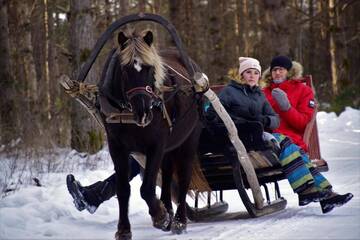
(136, 47)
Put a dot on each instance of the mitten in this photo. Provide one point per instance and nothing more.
(281, 98)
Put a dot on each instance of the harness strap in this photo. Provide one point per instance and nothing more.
(141, 90)
(167, 117)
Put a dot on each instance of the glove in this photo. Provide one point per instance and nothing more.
(281, 98)
(265, 121)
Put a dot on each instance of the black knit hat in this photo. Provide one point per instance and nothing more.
(281, 61)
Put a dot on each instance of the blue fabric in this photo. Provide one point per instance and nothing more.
(206, 106)
(298, 168)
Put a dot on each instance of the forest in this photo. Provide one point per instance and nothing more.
(43, 40)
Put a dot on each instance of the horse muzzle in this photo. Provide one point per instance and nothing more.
(142, 99)
(144, 120)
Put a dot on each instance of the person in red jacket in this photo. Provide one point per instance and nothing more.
(290, 98)
(294, 103)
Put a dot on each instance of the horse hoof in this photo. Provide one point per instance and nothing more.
(178, 227)
(163, 223)
(168, 228)
(123, 235)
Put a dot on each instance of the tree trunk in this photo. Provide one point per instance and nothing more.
(230, 58)
(84, 135)
(311, 38)
(160, 36)
(59, 113)
(245, 25)
(124, 8)
(29, 106)
(334, 79)
(24, 9)
(277, 28)
(239, 28)
(8, 129)
(142, 5)
(216, 44)
(46, 67)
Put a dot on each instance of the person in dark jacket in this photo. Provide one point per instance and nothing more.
(244, 100)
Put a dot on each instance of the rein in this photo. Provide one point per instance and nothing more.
(187, 79)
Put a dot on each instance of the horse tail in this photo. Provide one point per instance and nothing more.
(198, 180)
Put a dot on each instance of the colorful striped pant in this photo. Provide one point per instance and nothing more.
(297, 167)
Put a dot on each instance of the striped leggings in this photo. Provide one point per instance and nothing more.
(297, 167)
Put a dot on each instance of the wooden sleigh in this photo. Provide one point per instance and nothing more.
(223, 171)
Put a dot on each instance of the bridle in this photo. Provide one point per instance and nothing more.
(147, 91)
(139, 91)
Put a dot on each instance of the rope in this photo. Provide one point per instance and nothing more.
(75, 88)
(167, 117)
(188, 80)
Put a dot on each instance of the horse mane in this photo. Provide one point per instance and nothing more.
(136, 47)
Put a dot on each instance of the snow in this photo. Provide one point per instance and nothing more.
(47, 212)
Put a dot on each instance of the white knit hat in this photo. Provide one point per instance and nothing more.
(247, 62)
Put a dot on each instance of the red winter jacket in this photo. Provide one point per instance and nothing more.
(293, 122)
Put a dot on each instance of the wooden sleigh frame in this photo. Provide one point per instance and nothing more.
(230, 174)
(227, 174)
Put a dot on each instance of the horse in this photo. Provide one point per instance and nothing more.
(154, 89)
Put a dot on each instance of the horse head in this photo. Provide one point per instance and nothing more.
(142, 72)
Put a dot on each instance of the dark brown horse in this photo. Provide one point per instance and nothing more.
(156, 91)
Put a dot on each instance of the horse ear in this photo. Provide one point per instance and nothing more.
(121, 40)
(148, 38)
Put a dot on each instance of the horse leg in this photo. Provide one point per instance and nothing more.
(184, 160)
(123, 195)
(166, 174)
(157, 210)
(121, 164)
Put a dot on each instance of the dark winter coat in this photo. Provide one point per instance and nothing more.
(243, 102)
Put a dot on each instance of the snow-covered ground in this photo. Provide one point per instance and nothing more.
(48, 213)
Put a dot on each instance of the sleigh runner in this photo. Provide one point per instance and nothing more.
(219, 171)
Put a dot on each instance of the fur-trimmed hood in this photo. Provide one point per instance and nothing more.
(295, 72)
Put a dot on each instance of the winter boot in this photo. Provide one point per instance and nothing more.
(335, 200)
(74, 187)
(312, 195)
(92, 196)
